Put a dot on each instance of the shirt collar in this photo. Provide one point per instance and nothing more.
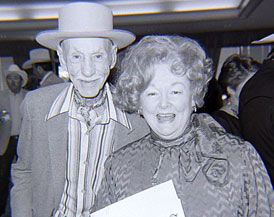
(15, 94)
(63, 101)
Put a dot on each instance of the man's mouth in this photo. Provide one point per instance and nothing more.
(165, 117)
(87, 81)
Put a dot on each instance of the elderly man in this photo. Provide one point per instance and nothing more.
(70, 129)
(42, 67)
(10, 121)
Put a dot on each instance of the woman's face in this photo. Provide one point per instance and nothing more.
(167, 102)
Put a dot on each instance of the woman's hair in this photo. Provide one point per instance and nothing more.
(184, 55)
(235, 70)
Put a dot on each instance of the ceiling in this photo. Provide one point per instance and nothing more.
(214, 27)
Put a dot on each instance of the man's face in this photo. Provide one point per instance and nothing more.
(38, 71)
(14, 82)
(88, 62)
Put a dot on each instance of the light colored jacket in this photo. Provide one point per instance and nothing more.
(5, 122)
(39, 174)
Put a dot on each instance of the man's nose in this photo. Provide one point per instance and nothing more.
(88, 68)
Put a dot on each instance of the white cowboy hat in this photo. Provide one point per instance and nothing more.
(13, 68)
(38, 55)
(82, 20)
(267, 39)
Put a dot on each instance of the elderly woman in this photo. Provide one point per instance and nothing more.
(235, 72)
(215, 174)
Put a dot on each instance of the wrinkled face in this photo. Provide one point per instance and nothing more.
(14, 82)
(167, 102)
(88, 62)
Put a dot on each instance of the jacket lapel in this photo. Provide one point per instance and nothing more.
(57, 137)
(124, 135)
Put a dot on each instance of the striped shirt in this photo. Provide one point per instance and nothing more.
(87, 151)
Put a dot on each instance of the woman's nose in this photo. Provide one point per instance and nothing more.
(88, 68)
(164, 101)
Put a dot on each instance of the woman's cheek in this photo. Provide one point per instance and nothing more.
(150, 106)
(180, 103)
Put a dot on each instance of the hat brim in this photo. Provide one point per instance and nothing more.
(21, 73)
(265, 40)
(52, 38)
(28, 63)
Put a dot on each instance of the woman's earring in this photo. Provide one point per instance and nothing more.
(139, 111)
(194, 108)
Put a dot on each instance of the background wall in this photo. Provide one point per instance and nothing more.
(5, 62)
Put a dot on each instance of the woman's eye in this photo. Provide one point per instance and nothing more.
(151, 94)
(176, 92)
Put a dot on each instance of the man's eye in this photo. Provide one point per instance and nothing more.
(98, 56)
(76, 57)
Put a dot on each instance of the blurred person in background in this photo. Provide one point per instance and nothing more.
(164, 79)
(235, 72)
(42, 67)
(213, 97)
(10, 101)
(256, 112)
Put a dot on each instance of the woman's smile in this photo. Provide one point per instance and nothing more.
(167, 102)
(165, 117)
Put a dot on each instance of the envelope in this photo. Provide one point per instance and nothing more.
(158, 201)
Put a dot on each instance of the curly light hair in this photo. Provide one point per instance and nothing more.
(184, 55)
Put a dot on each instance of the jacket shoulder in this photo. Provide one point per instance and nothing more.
(124, 136)
(46, 93)
(41, 99)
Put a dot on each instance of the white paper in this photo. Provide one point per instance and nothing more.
(158, 201)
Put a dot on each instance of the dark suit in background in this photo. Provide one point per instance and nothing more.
(257, 113)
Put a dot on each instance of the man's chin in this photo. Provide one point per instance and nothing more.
(88, 95)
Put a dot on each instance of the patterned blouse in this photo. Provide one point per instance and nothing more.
(214, 173)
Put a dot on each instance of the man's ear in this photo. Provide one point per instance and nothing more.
(230, 91)
(61, 57)
(113, 56)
